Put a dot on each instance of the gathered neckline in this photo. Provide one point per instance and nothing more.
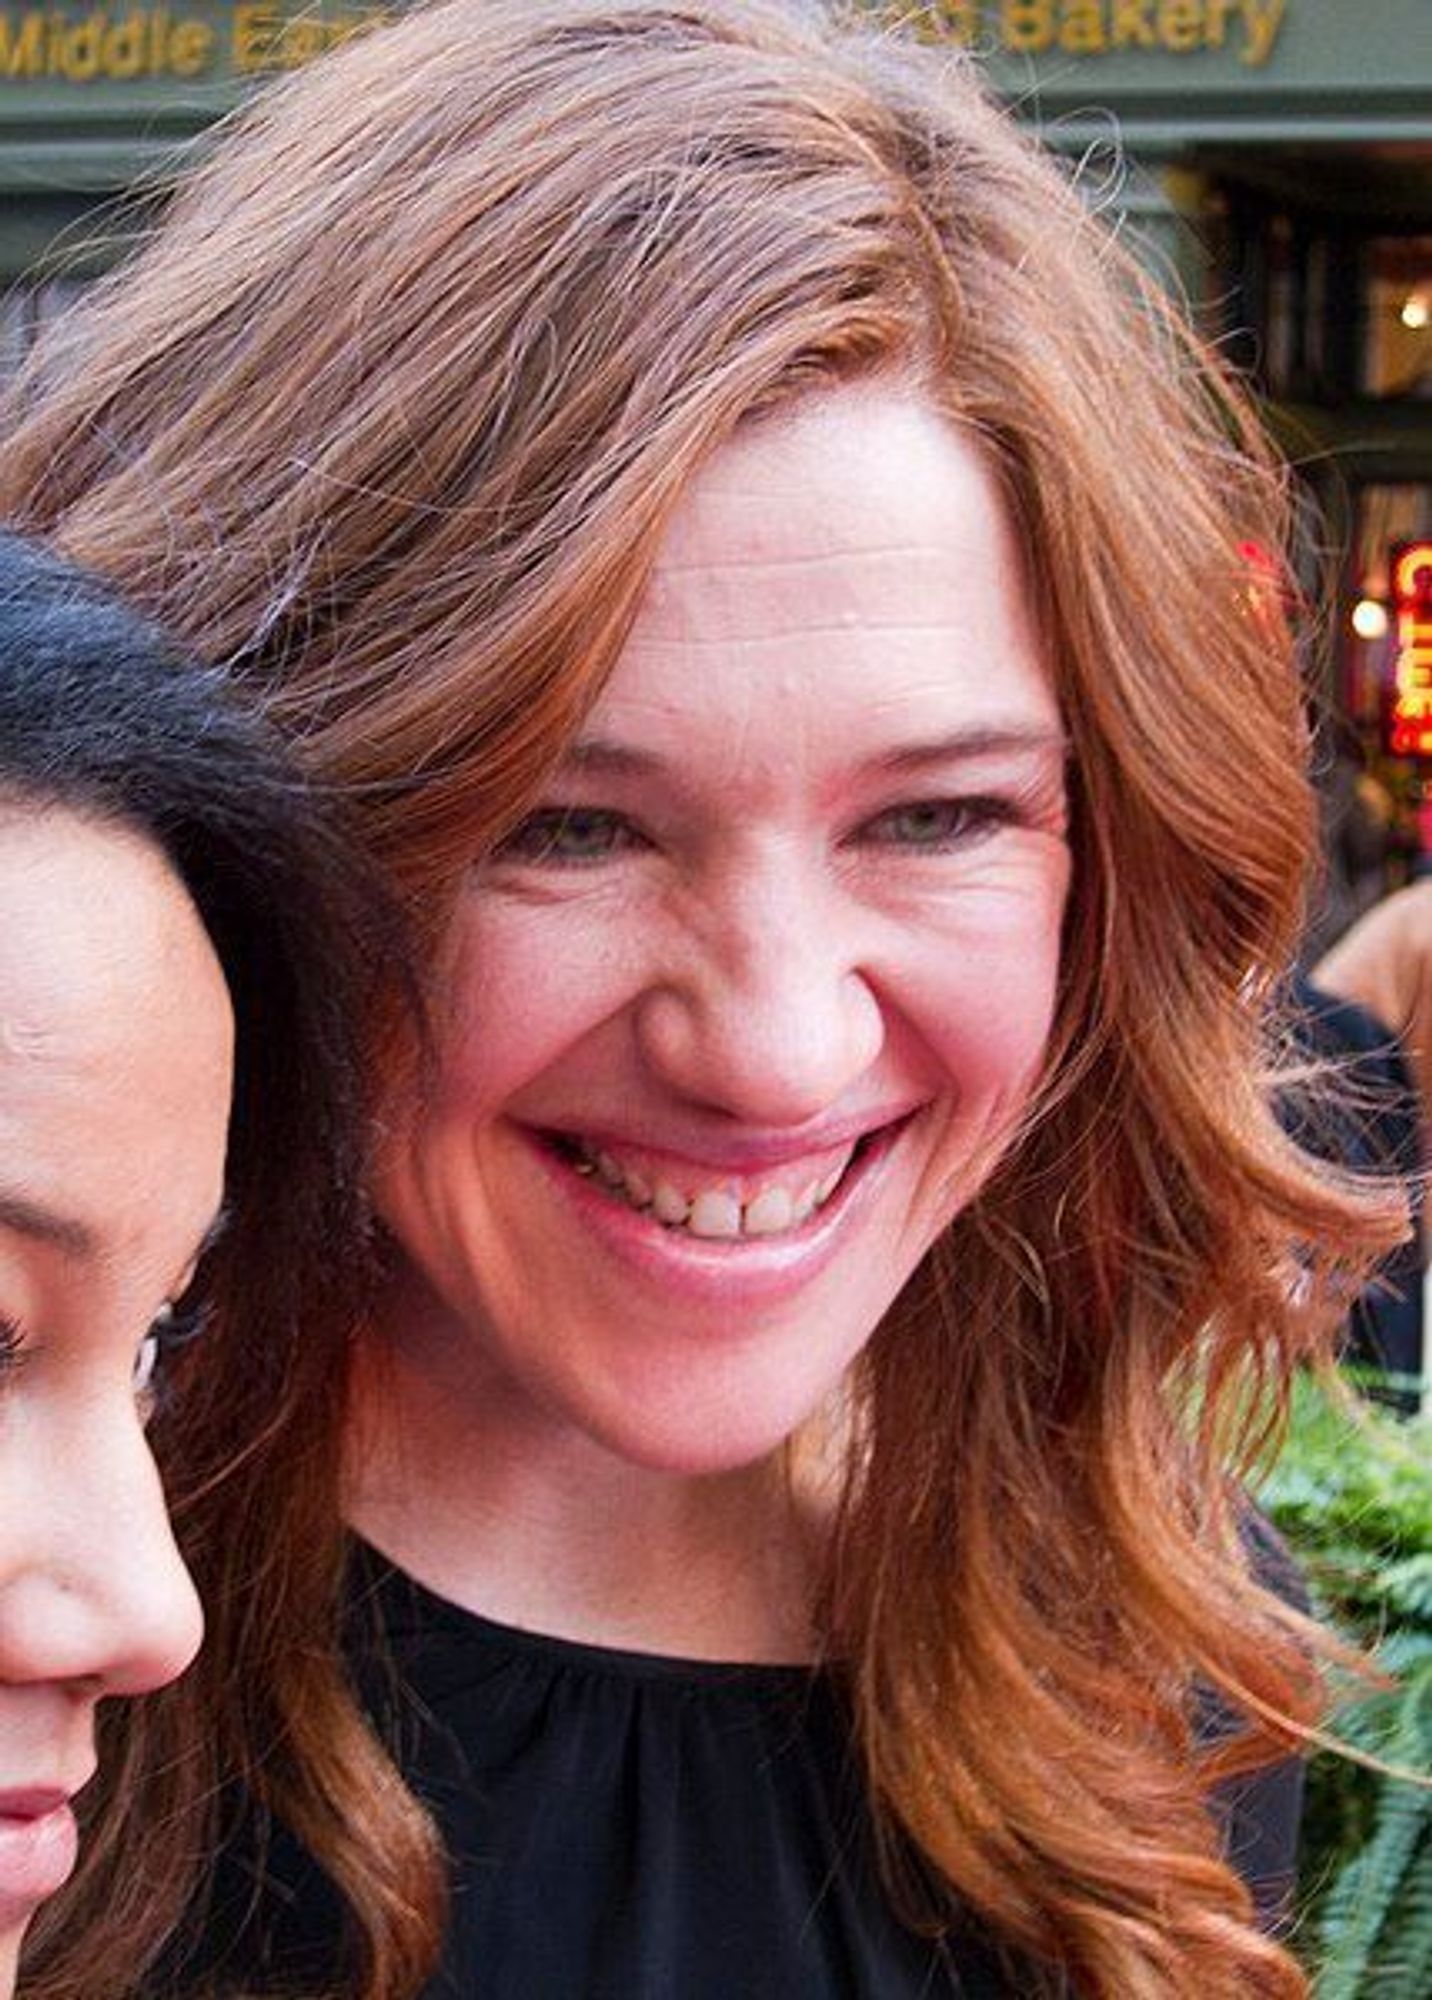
(427, 1607)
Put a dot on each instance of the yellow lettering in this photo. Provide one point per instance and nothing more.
(126, 42)
(1026, 27)
(1218, 11)
(1131, 26)
(81, 50)
(266, 38)
(1181, 24)
(22, 47)
(1411, 713)
(191, 48)
(1083, 30)
(1263, 19)
(301, 41)
(1414, 676)
(126, 50)
(256, 31)
(955, 21)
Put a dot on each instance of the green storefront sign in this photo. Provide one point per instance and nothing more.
(91, 95)
(52, 49)
(1225, 49)
(93, 98)
(1247, 31)
(1205, 68)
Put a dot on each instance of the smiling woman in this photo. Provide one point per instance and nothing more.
(819, 801)
(773, 581)
(154, 852)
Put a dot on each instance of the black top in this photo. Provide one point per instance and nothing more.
(623, 1827)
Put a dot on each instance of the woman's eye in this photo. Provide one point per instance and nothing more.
(12, 1347)
(173, 1326)
(146, 1363)
(568, 837)
(932, 825)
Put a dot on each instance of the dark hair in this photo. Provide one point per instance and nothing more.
(101, 713)
(103, 716)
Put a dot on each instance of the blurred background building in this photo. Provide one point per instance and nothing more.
(1275, 158)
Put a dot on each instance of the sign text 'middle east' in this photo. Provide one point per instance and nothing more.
(123, 44)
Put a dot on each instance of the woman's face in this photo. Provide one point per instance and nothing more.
(746, 1009)
(115, 1070)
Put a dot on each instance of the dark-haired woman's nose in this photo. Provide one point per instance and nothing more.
(92, 1588)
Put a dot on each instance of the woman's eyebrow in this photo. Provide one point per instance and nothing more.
(599, 754)
(25, 1216)
(965, 745)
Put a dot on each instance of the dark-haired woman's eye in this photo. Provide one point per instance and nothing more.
(12, 1348)
(176, 1324)
(146, 1365)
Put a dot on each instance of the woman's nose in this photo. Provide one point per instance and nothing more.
(765, 1012)
(92, 1587)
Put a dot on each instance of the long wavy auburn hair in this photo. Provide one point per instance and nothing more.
(390, 415)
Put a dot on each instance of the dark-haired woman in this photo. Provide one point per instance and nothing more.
(179, 931)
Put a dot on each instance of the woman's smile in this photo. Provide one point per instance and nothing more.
(729, 1199)
(749, 1004)
(737, 1236)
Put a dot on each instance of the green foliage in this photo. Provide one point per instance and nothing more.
(1352, 1492)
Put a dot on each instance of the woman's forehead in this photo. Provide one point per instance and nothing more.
(851, 566)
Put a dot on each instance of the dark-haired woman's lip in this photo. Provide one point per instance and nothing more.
(39, 1844)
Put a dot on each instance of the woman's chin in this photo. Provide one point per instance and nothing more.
(700, 1437)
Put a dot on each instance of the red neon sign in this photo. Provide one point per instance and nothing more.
(1410, 720)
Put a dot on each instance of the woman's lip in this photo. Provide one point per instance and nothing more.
(32, 1801)
(38, 1850)
(727, 1270)
(718, 1156)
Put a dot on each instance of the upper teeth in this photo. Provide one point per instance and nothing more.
(715, 1211)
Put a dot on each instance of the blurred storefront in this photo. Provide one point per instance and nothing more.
(101, 105)
(1274, 157)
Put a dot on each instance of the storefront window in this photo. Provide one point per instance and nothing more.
(1386, 672)
(1323, 310)
(1397, 346)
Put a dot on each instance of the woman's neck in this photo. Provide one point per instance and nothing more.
(486, 1501)
(10, 1942)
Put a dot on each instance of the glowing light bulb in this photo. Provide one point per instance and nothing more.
(1417, 310)
(1369, 618)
